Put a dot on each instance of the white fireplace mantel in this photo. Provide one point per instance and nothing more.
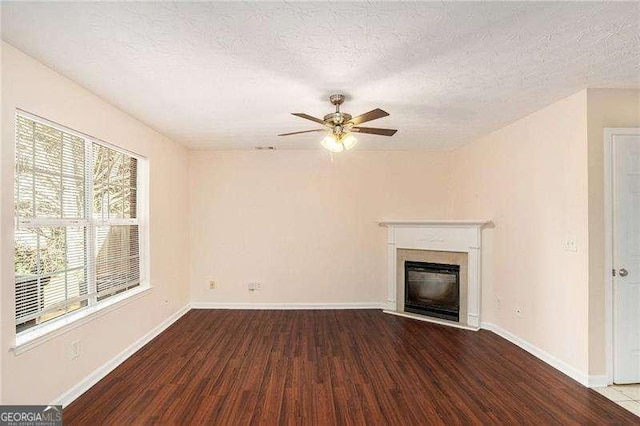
(440, 235)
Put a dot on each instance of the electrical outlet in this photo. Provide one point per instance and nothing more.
(254, 286)
(570, 243)
(212, 285)
(498, 303)
(74, 351)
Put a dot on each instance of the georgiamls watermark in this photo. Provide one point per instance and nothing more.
(30, 415)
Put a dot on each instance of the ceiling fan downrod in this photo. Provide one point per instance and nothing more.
(337, 118)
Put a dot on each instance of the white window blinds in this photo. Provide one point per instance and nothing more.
(77, 231)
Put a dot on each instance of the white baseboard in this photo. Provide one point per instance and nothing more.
(563, 367)
(287, 306)
(70, 395)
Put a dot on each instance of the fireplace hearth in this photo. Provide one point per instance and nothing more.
(432, 289)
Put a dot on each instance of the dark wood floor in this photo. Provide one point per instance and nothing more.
(334, 367)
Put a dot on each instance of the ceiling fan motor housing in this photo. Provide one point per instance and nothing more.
(336, 118)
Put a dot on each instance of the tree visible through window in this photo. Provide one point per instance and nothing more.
(77, 230)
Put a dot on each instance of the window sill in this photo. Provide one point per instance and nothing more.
(30, 339)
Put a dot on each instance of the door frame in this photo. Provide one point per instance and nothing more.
(609, 301)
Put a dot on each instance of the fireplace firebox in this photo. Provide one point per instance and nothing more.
(432, 289)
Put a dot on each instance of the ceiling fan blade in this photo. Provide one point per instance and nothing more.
(375, 131)
(368, 116)
(308, 117)
(304, 131)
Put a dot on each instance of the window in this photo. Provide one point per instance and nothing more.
(77, 232)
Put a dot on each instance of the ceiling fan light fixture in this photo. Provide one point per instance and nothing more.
(348, 141)
(330, 143)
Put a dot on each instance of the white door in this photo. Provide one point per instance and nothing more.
(626, 257)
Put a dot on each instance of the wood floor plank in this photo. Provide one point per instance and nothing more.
(334, 367)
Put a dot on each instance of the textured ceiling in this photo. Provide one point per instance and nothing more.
(227, 75)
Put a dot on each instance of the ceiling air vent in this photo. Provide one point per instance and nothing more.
(265, 148)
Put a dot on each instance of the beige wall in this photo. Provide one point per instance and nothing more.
(605, 108)
(530, 179)
(43, 373)
(303, 226)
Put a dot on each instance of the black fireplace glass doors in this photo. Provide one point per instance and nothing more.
(432, 289)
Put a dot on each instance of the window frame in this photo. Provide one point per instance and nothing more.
(40, 333)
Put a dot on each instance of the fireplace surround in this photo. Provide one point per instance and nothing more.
(454, 242)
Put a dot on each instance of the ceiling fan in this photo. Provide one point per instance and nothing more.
(342, 126)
